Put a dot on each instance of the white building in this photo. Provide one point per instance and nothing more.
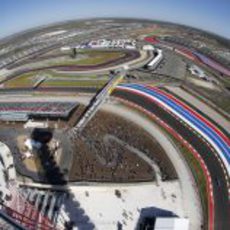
(65, 48)
(158, 57)
(114, 43)
(35, 124)
(197, 71)
(171, 223)
(148, 48)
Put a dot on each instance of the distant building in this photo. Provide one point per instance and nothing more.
(197, 71)
(113, 43)
(35, 124)
(148, 48)
(65, 48)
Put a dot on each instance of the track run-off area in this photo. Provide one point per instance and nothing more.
(208, 144)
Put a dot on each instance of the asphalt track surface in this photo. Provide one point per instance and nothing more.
(220, 190)
(209, 132)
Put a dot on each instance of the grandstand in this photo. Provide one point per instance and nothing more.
(7, 170)
(15, 111)
(158, 57)
(31, 208)
(48, 203)
(23, 207)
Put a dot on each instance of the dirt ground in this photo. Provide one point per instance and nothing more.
(100, 158)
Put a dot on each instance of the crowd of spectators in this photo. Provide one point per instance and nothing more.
(99, 158)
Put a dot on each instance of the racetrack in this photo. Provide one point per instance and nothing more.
(220, 190)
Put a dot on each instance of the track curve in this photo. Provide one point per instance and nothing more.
(220, 193)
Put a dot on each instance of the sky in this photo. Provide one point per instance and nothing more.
(210, 15)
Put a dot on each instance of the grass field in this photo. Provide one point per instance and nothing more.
(89, 58)
(160, 31)
(81, 83)
(99, 57)
(94, 58)
(27, 80)
(24, 80)
(86, 57)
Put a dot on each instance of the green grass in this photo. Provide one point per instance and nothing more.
(72, 83)
(96, 58)
(158, 31)
(155, 32)
(28, 79)
(71, 76)
(91, 58)
(24, 80)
